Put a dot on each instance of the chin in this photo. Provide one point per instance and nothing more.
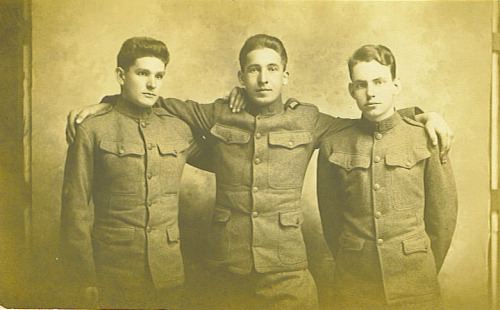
(146, 104)
(264, 101)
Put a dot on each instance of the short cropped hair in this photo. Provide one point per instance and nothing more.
(138, 47)
(260, 41)
(379, 53)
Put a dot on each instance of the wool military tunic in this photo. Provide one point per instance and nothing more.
(129, 161)
(388, 208)
(260, 157)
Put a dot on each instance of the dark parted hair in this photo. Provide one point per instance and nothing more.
(260, 41)
(138, 47)
(379, 53)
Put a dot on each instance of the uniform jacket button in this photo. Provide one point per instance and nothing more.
(376, 187)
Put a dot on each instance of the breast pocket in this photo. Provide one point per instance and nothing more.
(407, 178)
(353, 173)
(233, 160)
(288, 158)
(173, 158)
(120, 166)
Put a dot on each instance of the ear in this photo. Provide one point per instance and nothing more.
(397, 86)
(120, 75)
(240, 78)
(351, 90)
(286, 75)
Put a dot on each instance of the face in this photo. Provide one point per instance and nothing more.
(141, 83)
(374, 89)
(263, 76)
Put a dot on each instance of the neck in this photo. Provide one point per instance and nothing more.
(381, 117)
(131, 109)
(269, 108)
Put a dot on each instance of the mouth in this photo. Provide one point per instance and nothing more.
(149, 95)
(262, 90)
(372, 104)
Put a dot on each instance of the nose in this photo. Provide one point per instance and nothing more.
(263, 77)
(151, 83)
(370, 91)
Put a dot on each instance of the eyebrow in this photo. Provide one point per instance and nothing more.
(147, 70)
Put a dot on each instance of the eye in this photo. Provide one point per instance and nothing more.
(358, 86)
(142, 73)
(253, 70)
(160, 76)
(273, 69)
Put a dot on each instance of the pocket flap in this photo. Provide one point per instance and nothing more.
(113, 235)
(230, 135)
(294, 218)
(350, 161)
(351, 243)
(172, 147)
(122, 148)
(414, 245)
(221, 215)
(173, 233)
(407, 160)
(290, 139)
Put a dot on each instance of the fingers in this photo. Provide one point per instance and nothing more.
(70, 126)
(431, 131)
(82, 115)
(240, 99)
(445, 146)
(232, 97)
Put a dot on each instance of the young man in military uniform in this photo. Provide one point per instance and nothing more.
(388, 204)
(124, 252)
(260, 157)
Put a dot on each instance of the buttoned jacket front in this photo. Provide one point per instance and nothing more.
(260, 157)
(129, 161)
(388, 208)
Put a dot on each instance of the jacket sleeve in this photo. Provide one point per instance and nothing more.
(199, 154)
(200, 117)
(77, 214)
(329, 202)
(440, 214)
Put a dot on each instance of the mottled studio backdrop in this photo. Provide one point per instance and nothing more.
(443, 54)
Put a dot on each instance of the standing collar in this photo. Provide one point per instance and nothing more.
(382, 126)
(131, 110)
(273, 108)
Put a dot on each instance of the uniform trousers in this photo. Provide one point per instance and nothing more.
(274, 291)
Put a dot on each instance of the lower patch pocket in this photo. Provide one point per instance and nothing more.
(218, 238)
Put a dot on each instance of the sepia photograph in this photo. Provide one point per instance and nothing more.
(249, 154)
